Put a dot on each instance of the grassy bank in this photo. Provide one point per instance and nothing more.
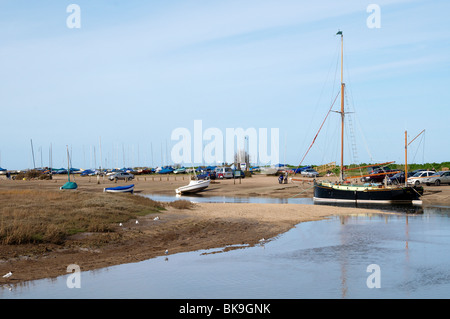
(37, 216)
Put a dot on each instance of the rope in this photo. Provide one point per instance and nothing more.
(316, 134)
(302, 192)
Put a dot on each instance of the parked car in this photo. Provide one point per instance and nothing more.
(121, 175)
(398, 178)
(423, 177)
(207, 175)
(309, 172)
(418, 170)
(374, 174)
(439, 178)
(223, 172)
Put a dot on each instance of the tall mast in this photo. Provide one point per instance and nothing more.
(342, 106)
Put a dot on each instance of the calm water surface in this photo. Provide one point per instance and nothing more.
(321, 259)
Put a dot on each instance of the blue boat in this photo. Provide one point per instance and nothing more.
(120, 189)
(166, 170)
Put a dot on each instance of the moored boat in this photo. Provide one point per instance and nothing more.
(69, 185)
(120, 189)
(344, 191)
(194, 186)
(372, 193)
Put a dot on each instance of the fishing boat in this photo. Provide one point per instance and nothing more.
(120, 189)
(69, 185)
(344, 191)
(194, 186)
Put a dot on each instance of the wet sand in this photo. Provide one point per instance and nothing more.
(206, 225)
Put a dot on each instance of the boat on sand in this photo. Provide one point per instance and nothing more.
(194, 186)
(120, 189)
(345, 191)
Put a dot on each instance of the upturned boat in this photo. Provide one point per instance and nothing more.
(69, 185)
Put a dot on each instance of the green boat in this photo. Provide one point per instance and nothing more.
(69, 185)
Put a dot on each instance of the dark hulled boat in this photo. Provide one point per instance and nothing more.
(330, 192)
(343, 191)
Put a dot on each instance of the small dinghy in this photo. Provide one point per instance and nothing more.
(69, 185)
(120, 189)
(194, 186)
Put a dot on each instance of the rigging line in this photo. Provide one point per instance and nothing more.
(349, 90)
(417, 149)
(327, 79)
(302, 192)
(317, 133)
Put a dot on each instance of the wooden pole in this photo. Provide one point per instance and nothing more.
(406, 158)
(342, 107)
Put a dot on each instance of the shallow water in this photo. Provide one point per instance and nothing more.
(228, 199)
(321, 259)
(271, 200)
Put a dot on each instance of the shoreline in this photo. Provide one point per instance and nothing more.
(205, 226)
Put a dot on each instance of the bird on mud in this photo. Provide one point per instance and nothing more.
(7, 275)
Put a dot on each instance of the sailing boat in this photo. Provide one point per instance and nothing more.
(69, 185)
(343, 191)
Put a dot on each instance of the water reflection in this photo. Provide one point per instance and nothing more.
(398, 208)
(228, 199)
(199, 198)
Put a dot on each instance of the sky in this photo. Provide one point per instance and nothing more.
(115, 89)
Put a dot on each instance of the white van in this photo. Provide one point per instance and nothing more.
(224, 172)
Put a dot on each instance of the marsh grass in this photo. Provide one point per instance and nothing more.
(38, 216)
(181, 204)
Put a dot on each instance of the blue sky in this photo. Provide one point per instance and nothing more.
(137, 70)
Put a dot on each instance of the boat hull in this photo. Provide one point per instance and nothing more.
(371, 194)
(193, 187)
(120, 189)
(69, 186)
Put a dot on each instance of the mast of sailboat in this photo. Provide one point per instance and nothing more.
(68, 164)
(341, 177)
(406, 154)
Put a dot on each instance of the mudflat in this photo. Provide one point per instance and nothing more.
(159, 228)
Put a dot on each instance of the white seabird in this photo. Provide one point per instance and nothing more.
(7, 275)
